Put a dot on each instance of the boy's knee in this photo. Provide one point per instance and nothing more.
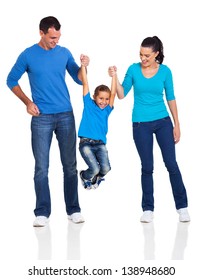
(105, 170)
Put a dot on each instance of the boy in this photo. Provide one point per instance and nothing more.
(93, 130)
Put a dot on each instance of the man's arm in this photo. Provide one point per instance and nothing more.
(32, 109)
(13, 77)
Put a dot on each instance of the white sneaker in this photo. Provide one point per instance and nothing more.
(87, 184)
(76, 218)
(183, 215)
(98, 182)
(147, 216)
(40, 221)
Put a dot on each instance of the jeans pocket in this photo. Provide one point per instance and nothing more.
(166, 119)
(136, 124)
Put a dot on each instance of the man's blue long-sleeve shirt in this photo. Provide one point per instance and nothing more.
(46, 70)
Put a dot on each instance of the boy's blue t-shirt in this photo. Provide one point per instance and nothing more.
(46, 70)
(149, 93)
(94, 122)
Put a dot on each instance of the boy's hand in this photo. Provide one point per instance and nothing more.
(112, 70)
(84, 59)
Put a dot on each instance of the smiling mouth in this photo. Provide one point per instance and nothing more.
(102, 106)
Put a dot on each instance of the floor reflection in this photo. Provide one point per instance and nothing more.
(73, 241)
(180, 243)
(149, 241)
(43, 235)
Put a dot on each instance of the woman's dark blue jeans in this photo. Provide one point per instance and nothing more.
(143, 133)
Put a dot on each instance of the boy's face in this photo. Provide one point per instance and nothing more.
(102, 99)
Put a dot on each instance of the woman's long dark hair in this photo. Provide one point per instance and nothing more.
(156, 45)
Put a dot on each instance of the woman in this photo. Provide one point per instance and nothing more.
(150, 80)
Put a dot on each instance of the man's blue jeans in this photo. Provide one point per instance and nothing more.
(96, 157)
(143, 138)
(43, 127)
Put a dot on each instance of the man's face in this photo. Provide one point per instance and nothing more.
(50, 39)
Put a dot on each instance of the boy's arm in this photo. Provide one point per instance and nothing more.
(113, 89)
(119, 89)
(84, 80)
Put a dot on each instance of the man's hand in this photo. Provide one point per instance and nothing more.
(32, 109)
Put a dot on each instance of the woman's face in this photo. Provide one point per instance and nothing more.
(147, 56)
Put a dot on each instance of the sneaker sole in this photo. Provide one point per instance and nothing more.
(79, 222)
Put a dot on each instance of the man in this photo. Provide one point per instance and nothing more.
(46, 64)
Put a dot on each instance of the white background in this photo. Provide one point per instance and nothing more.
(110, 33)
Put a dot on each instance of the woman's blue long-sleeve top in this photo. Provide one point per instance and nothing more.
(149, 93)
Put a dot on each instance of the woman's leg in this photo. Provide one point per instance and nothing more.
(143, 138)
(165, 139)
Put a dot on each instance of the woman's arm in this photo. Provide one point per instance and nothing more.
(120, 91)
(174, 112)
